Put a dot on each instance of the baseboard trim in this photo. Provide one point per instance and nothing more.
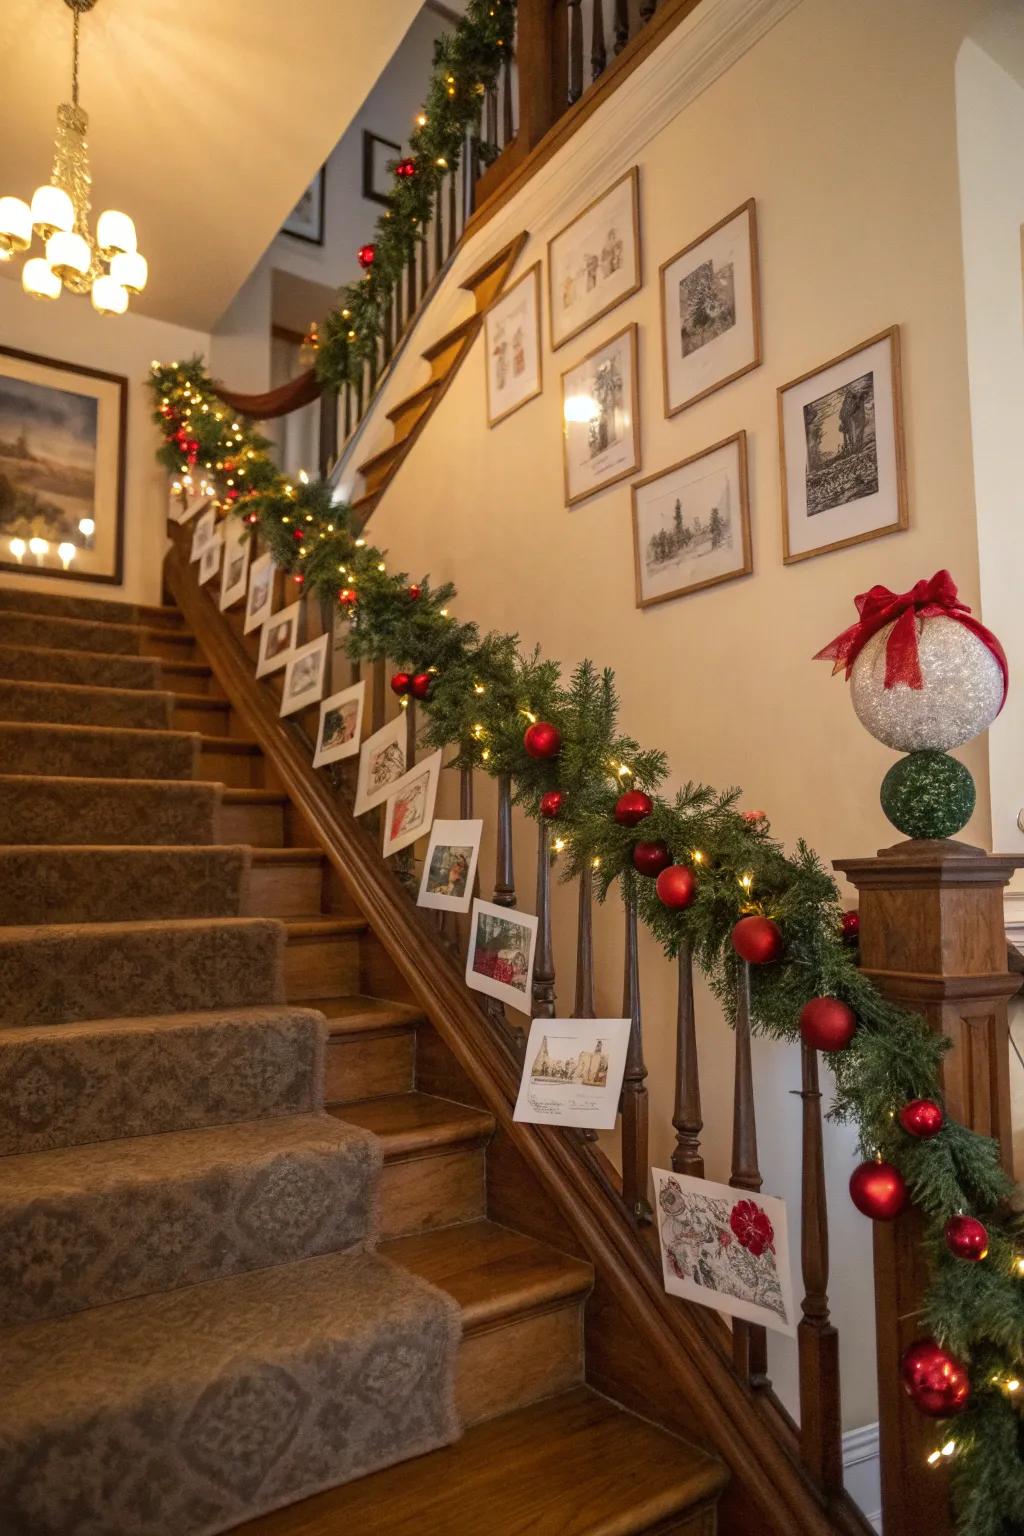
(862, 1471)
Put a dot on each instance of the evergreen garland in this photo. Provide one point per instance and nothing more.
(485, 692)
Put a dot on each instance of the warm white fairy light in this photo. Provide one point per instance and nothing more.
(66, 553)
(17, 548)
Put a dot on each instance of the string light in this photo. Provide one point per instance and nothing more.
(595, 862)
(529, 715)
(559, 844)
(746, 881)
(947, 1450)
(479, 688)
(697, 856)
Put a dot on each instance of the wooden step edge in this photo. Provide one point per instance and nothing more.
(384, 458)
(412, 401)
(79, 690)
(298, 928)
(177, 666)
(286, 855)
(238, 744)
(242, 795)
(198, 701)
(506, 256)
(457, 333)
(175, 636)
(70, 727)
(346, 1019)
(412, 1125)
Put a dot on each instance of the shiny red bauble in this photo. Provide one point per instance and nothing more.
(757, 940)
(967, 1238)
(936, 1382)
(347, 597)
(405, 169)
(676, 887)
(401, 683)
(298, 535)
(551, 804)
(922, 1118)
(366, 256)
(413, 591)
(651, 858)
(542, 740)
(849, 927)
(632, 807)
(421, 685)
(878, 1190)
(826, 1024)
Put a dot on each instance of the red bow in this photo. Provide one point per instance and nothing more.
(925, 600)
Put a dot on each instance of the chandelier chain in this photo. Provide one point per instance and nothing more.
(74, 59)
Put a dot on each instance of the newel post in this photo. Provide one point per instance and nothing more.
(932, 939)
(542, 56)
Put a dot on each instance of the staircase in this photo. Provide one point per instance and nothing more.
(258, 1236)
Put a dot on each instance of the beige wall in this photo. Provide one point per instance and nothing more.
(841, 123)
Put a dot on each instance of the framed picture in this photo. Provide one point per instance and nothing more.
(209, 560)
(381, 765)
(726, 1249)
(450, 866)
(512, 350)
(306, 220)
(409, 811)
(711, 310)
(573, 1072)
(594, 262)
(841, 455)
(204, 531)
(601, 417)
(235, 565)
(62, 458)
(277, 640)
(261, 592)
(304, 675)
(341, 725)
(691, 524)
(377, 179)
(188, 495)
(500, 959)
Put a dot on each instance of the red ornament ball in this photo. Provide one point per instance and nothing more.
(298, 535)
(935, 1381)
(347, 597)
(651, 858)
(421, 685)
(366, 256)
(753, 817)
(542, 740)
(878, 1190)
(826, 1024)
(633, 807)
(405, 169)
(413, 591)
(849, 927)
(299, 579)
(757, 940)
(676, 887)
(922, 1118)
(967, 1238)
(551, 804)
(401, 683)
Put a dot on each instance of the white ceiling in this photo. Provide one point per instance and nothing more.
(207, 118)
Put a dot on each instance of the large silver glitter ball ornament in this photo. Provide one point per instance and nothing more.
(962, 693)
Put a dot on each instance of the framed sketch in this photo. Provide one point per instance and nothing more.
(449, 869)
(726, 1249)
(841, 455)
(341, 725)
(261, 592)
(502, 941)
(381, 765)
(204, 531)
(512, 350)
(306, 220)
(277, 640)
(62, 459)
(409, 812)
(209, 560)
(594, 262)
(377, 179)
(601, 417)
(711, 310)
(304, 675)
(573, 1072)
(235, 565)
(691, 524)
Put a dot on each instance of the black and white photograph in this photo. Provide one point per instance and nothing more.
(711, 310)
(512, 350)
(209, 560)
(573, 1071)
(594, 262)
(341, 722)
(203, 532)
(502, 941)
(378, 154)
(277, 640)
(235, 564)
(261, 592)
(691, 524)
(449, 869)
(306, 220)
(601, 418)
(304, 675)
(841, 451)
(409, 809)
(381, 765)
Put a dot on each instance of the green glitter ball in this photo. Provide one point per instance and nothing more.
(928, 794)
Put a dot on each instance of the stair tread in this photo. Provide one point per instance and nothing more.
(21, 1035)
(81, 727)
(323, 927)
(423, 393)
(233, 796)
(18, 934)
(356, 1014)
(456, 333)
(385, 455)
(572, 1465)
(185, 668)
(408, 1123)
(28, 685)
(174, 635)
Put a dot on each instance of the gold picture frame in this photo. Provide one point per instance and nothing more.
(680, 541)
(583, 478)
(564, 262)
(507, 301)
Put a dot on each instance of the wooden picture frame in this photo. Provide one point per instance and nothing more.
(650, 521)
(585, 476)
(573, 265)
(722, 262)
(852, 403)
(513, 308)
(63, 428)
(306, 220)
(374, 188)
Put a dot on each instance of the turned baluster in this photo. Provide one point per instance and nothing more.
(821, 1441)
(598, 49)
(584, 1005)
(438, 229)
(453, 229)
(507, 124)
(424, 264)
(332, 661)
(576, 49)
(410, 733)
(378, 696)
(492, 114)
(647, 10)
(635, 1106)
(504, 876)
(749, 1340)
(410, 293)
(348, 410)
(686, 1119)
(621, 24)
(359, 395)
(543, 960)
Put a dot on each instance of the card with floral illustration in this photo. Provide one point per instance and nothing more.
(724, 1248)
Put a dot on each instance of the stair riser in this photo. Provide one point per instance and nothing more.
(420, 1194)
(443, 362)
(178, 679)
(521, 1362)
(405, 420)
(168, 647)
(214, 721)
(378, 475)
(260, 826)
(368, 1067)
(238, 770)
(284, 890)
(321, 967)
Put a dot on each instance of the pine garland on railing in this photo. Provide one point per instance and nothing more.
(483, 697)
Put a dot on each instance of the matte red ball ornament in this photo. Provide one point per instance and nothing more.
(366, 256)
(299, 579)
(826, 1024)
(676, 887)
(551, 804)
(651, 858)
(542, 740)
(967, 1238)
(405, 169)
(347, 597)
(757, 940)
(413, 591)
(632, 807)
(401, 683)
(878, 1190)
(922, 1118)
(936, 1382)
(421, 685)
(849, 927)
(298, 535)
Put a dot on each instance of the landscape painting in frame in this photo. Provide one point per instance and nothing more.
(573, 1072)
(841, 451)
(449, 869)
(601, 418)
(381, 764)
(710, 311)
(409, 810)
(691, 524)
(62, 448)
(512, 351)
(500, 959)
(724, 1248)
(341, 721)
(594, 263)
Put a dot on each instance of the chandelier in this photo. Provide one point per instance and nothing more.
(108, 265)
